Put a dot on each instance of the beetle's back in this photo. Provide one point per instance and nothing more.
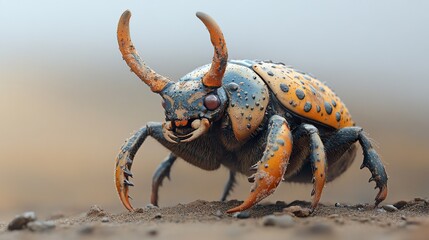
(304, 95)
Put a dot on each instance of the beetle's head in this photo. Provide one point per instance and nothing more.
(190, 109)
(191, 105)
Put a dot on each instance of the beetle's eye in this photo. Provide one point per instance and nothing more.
(211, 102)
(163, 103)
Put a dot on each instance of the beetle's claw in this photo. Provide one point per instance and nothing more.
(380, 182)
(264, 184)
(382, 194)
(124, 161)
(122, 174)
(372, 161)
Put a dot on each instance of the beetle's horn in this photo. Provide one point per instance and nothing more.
(213, 77)
(155, 81)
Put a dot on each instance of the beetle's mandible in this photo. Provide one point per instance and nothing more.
(262, 119)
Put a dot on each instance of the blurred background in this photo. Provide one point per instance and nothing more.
(68, 101)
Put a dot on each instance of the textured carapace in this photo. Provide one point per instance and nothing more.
(248, 97)
(304, 95)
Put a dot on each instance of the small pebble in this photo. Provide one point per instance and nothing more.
(41, 226)
(241, 215)
(297, 211)
(95, 211)
(218, 213)
(21, 221)
(400, 204)
(338, 205)
(105, 219)
(283, 221)
(157, 216)
(390, 208)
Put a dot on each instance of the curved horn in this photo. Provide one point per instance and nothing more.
(155, 81)
(213, 77)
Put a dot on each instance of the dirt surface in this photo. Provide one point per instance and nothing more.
(207, 220)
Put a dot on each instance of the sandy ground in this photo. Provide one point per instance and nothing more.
(207, 220)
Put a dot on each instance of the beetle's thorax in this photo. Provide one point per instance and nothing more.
(247, 96)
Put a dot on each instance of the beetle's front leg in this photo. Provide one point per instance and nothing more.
(199, 152)
(124, 161)
(271, 168)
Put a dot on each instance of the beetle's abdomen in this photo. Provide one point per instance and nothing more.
(304, 95)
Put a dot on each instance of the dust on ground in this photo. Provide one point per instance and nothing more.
(208, 220)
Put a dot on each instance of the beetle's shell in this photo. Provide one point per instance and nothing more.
(304, 95)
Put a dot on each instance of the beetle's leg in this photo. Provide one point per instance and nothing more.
(163, 171)
(229, 186)
(371, 160)
(317, 159)
(199, 152)
(124, 161)
(271, 168)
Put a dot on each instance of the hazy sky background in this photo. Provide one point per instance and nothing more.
(67, 100)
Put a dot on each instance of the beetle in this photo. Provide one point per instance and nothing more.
(262, 119)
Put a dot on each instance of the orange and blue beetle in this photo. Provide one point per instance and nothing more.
(262, 119)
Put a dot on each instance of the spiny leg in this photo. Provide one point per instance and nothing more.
(317, 159)
(200, 152)
(372, 161)
(271, 168)
(347, 136)
(229, 186)
(124, 161)
(163, 171)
